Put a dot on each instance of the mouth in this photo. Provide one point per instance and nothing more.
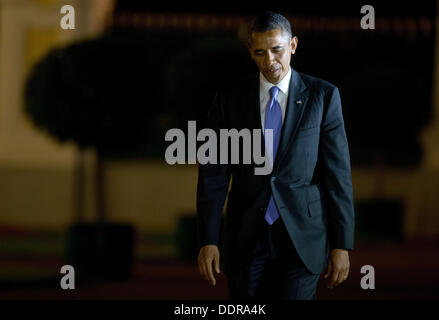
(273, 70)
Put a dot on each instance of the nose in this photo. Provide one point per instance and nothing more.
(268, 59)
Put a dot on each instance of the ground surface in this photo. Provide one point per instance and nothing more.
(401, 272)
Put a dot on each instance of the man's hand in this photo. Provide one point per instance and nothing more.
(338, 267)
(207, 255)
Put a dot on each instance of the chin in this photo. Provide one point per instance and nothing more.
(275, 78)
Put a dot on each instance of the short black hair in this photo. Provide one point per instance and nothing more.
(268, 21)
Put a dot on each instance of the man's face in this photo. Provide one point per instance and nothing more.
(272, 51)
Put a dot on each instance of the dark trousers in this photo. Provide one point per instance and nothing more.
(275, 272)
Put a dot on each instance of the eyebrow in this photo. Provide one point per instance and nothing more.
(262, 50)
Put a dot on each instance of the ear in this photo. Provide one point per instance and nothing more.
(250, 49)
(294, 43)
(249, 44)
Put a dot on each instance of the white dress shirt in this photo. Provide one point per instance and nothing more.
(282, 96)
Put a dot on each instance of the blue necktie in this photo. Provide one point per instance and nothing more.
(273, 120)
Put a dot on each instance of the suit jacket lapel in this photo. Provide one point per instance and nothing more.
(297, 99)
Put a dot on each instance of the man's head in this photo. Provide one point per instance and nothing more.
(271, 44)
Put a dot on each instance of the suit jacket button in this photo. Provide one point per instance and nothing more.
(263, 209)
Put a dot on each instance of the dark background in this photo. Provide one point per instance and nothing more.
(384, 77)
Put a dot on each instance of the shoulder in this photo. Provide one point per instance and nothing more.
(322, 91)
(238, 85)
(231, 95)
(317, 84)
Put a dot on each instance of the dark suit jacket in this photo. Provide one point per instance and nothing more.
(310, 182)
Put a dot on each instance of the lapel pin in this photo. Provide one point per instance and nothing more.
(299, 101)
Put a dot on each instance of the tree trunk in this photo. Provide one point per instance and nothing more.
(78, 187)
(99, 185)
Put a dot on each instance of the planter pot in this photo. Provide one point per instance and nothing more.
(101, 250)
(379, 220)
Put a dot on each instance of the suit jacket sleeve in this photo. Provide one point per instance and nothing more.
(337, 174)
(213, 183)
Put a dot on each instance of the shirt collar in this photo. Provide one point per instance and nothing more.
(283, 85)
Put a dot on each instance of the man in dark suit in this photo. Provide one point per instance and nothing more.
(280, 230)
